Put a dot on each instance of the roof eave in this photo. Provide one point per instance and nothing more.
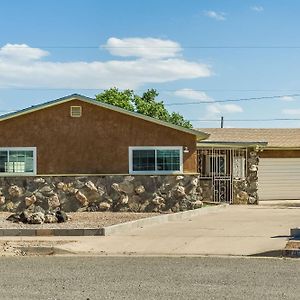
(282, 148)
(222, 144)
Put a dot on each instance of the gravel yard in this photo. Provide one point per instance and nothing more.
(80, 220)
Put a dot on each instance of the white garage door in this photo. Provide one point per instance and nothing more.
(279, 178)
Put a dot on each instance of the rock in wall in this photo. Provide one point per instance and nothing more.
(101, 193)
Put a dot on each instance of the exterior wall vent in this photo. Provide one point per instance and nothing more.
(76, 111)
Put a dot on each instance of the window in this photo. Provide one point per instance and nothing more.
(216, 164)
(239, 166)
(168, 160)
(160, 160)
(143, 160)
(17, 161)
(76, 111)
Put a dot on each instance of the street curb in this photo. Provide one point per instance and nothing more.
(52, 232)
(161, 219)
(113, 229)
(42, 251)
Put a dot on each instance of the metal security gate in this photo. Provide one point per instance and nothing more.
(222, 166)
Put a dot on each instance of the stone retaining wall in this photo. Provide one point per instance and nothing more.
(101, 193)
(245, 191)
(140, 193)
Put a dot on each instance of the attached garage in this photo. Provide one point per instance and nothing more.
(279, 178)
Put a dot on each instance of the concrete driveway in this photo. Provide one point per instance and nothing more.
(236, 230)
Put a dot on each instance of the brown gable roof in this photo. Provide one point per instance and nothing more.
(275, 137)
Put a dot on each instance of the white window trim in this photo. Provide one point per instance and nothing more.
(130, 149)
(22, 149)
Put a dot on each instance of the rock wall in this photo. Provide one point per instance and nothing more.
(121, 193)
(245, 191)
(101, 193)
(207, 190)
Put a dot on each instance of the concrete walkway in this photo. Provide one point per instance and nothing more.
(237, 230)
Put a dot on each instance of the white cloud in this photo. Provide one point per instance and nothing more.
(291, 111)
(218, 109)
(193, 95)
(214, 109)
(21, 52)
(23, 66)
(149, 48)
(257, 8)
(231, 108)
(219, 16)
(287, 98)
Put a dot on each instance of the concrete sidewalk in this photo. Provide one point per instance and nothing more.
(237, 230)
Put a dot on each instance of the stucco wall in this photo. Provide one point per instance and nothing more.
(96, 143)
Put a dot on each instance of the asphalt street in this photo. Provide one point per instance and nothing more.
(148, 278)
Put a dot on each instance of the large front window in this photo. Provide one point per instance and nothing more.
(160, 160)
(17, 161)
(143, 160)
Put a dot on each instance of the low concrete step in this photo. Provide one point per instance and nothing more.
(280, 203)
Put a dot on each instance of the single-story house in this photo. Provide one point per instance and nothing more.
(278, 151)
(78, 135)
(76, 151)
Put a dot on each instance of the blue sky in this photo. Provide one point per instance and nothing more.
(49, 49)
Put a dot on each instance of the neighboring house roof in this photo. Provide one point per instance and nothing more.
(198, 133)
(275, 137)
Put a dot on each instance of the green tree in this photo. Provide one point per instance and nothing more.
(123, 99)
(145, 104)
(179, 120)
